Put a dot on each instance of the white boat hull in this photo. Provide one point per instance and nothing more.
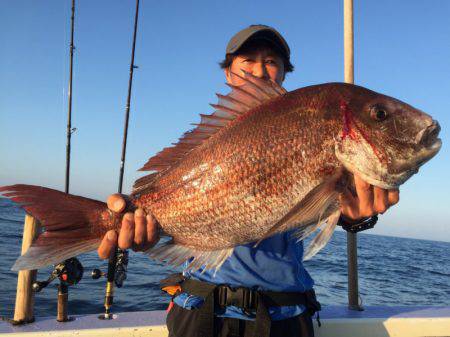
(337, 321)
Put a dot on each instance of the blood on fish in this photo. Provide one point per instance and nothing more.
(347, 119)
(347, 131)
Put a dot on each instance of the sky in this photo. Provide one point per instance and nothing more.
(402, 49)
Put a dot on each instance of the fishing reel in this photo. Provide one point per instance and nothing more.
(121, 268)
(117, 273)
(68, 272)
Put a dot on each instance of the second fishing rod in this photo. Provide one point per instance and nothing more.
(118, 261)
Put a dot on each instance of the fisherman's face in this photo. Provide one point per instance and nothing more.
(262, 63)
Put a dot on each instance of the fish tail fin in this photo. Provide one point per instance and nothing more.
(68, 223)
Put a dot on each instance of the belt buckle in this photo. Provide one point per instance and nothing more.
(240, 297)
(232, 296)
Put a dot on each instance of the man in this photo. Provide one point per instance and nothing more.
(275, 267)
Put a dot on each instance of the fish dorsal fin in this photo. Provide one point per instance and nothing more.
(254, 92)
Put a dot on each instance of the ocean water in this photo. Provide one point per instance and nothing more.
(392, 271)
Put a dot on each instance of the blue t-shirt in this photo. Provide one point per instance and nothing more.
(275, 264)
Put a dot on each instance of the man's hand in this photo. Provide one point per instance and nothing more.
(369, 200)
(139, 231)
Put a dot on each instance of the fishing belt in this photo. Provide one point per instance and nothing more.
(218, 297)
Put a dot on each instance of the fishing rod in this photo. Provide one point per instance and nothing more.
(118, 261)
(73, 264)
(69, 94)
(70, 271)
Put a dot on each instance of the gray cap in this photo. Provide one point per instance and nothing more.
(258, 32)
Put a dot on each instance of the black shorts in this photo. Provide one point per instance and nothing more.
(182, 323)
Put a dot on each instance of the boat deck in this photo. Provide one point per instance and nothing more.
(374, 321)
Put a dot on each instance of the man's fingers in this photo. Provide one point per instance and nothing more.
(151, 234)
(381, 201)
(140, 229)
(152, 230)
(126, 235)
(393, 196)
(365, 195)
(107, 245)
(116, 202)
(349, 205)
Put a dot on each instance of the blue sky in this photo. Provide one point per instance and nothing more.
(402, 48)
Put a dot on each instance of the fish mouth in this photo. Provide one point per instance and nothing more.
(424, 155)
(427, 136)
(427, 145)
(430, 151)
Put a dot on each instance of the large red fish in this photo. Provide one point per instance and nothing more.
(264, 162)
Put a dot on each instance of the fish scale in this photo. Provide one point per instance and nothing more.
(250, 188)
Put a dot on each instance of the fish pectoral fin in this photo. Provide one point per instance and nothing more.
(322, 238)
(176, 254)
(321, 200)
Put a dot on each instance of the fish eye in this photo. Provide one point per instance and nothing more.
(378, 113)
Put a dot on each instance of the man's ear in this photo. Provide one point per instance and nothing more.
(227, 72)
(284, 75)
